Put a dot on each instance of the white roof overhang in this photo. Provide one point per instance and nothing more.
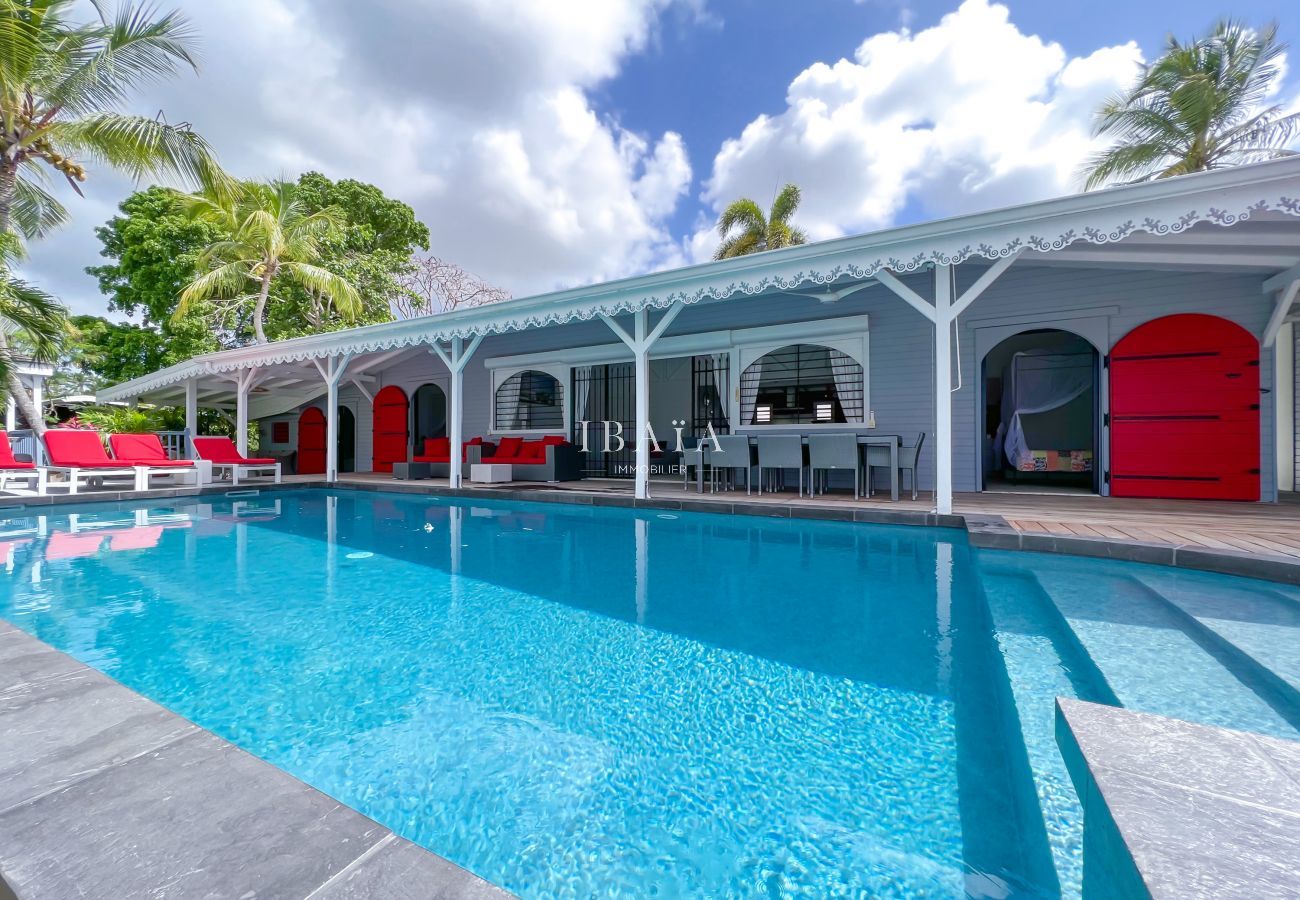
(1244, 218)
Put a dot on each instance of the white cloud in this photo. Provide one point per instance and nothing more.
(475, 112)
(968, 114)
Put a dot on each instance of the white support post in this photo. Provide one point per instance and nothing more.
(455, 359)
(943, 319)
(243, 384)
(11, 415)
(640, 342)
(943, 314)
(191, 411)
(38, 396)
(641, 351)
(335, 368)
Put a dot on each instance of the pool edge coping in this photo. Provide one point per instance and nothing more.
(984, 531)
(354, 853)
(1171, 807)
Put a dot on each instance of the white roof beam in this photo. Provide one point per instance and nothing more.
(1281, 280)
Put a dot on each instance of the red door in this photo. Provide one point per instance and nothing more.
(390, 438)
(1184, 410)
(311, 442)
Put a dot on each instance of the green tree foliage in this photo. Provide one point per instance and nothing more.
(275, 243)
(744, 228)
(372, 251)
(97, 353)
(153, 249)
(1199, 106)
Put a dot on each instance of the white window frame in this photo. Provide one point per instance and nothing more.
(561, 373)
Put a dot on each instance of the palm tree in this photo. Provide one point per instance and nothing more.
(1197, 107)
(32, 324)
(758, 232)
(61, 88)
(272, 236)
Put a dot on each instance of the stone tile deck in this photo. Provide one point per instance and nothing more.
(1184, 811)
(106, 794)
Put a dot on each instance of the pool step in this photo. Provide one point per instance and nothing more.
(1152, 657)
(1042, 659)
(1257, 629)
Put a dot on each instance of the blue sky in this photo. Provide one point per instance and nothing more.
(739, 63)
(553, 144)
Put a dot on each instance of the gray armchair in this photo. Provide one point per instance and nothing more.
(733, 454)
(829, 452)
(780, 452)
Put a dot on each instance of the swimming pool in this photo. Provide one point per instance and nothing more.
(574, 701)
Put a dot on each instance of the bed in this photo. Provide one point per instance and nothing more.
(1048, 413)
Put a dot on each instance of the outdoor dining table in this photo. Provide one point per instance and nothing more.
(892, 441)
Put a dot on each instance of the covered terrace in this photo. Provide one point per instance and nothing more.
(923, 302)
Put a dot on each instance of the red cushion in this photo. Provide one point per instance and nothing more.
(533, 450)
(7, 460)
(69, 447)
(156, 463)
(222, 450)
(509, 446)
(556, 439)
(146, 448)
(439, 446)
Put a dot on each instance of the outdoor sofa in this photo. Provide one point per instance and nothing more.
(551, 458)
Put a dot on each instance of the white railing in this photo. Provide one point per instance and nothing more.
(24, 441)
(176, 443)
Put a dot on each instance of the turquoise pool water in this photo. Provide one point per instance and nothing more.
(574, 702)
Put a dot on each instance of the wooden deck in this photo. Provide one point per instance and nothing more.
(1271, 529)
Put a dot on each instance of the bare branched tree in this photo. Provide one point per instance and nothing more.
(434, 285)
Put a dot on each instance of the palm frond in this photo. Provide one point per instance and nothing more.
(36, 315)
(324, 282)
(128, 49)
(785, 204)
(223, 280)
(34, 212)
(743, 244)
(744, 213)
(142, 147)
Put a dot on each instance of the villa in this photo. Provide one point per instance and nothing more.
(789, 647)
(1132, 342)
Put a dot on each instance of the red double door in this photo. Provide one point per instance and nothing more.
(390, 435)
(1184, 410)
(311, 442)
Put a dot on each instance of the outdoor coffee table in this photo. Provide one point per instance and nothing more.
(489, 473)
(410, 471)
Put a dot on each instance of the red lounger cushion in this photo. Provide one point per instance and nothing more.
(7, 460)
(219, 449)
(142, 450)
(79, 450)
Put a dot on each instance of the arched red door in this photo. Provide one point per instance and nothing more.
(1184, 410)
(390, 436)
(311, 442)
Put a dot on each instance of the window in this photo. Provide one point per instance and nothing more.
(528, 401)
(802, 384)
